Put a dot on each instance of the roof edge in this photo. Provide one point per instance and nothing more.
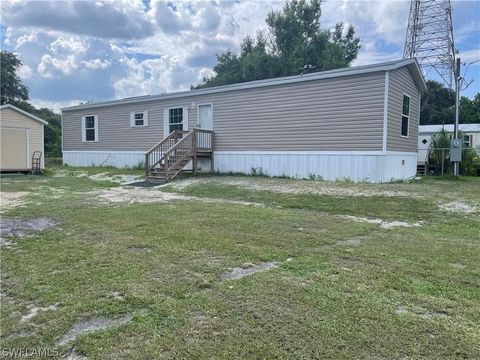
(350, 71)
(13, 107)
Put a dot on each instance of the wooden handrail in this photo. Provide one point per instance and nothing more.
(177, 150)
(156, 153)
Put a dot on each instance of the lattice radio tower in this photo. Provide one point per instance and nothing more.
(430, 38)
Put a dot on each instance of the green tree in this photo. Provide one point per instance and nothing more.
(295, 40)
(53, 131)
(470, 110)
(437, 105)
(12, 87)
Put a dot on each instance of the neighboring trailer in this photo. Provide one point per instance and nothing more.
(471, 137)
(21, 136)
(357, 123)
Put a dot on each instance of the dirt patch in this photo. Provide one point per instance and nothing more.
(7, 243)
(458, 207)
(74, 355)
(117, 295)
(34, 310)
(238, 272)
(9, 200)
(297, 187)
(383, 224)
(139, 249)
(354, 241)
(120, 179)
(25, 227)
(134, 195)
(92, 324)
(421, 312)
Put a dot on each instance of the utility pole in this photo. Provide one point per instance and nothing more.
(458, 84)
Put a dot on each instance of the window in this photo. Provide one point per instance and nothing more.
(467, 140)
(139, 119)
(175, 119)
(90, 128)
(405, 115)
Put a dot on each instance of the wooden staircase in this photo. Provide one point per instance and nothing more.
(421, 169)
(166, 159)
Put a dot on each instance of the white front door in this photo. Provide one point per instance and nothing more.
(205, 117)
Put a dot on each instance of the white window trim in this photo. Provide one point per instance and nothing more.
(470, 140)
(166, 119)
(145, 119)
(407, 116)
(84, 135)
(198, 113)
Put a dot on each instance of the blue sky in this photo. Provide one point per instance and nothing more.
(77, 51)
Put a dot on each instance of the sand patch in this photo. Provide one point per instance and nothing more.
(238, 272)
(294, 187)
(354, 241)
(74, 355)
(9, 200)
(25, 227)
(92, 324)
(134, 195)
(383, 224)
(117, 295)
(119, 179)
(421, 312)
(7, 243)
(139, 249)
(34, 310)
(457, 207)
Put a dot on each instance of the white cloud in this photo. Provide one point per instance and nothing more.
(103, 19)
(155, 76)
(96, 50)
(51, 67)
(68, 45)
(26, 38)
(96, 64)
(469, 55)
(25, 72)
(55, 106)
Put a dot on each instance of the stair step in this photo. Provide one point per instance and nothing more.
(156, 178)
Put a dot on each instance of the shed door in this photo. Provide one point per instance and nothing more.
(13, 149)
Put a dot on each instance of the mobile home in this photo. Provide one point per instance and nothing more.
(358, 123)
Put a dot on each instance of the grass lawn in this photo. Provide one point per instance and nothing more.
(361, 270)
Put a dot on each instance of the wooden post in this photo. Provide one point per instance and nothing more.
(194, 148)
(212, 165)
(146, 165)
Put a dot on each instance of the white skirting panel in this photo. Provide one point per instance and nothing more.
(400, 165)
(118, 159)
(368, 166)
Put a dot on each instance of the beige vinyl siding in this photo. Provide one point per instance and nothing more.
(10, 118)
(344, 113)
(401, 82)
